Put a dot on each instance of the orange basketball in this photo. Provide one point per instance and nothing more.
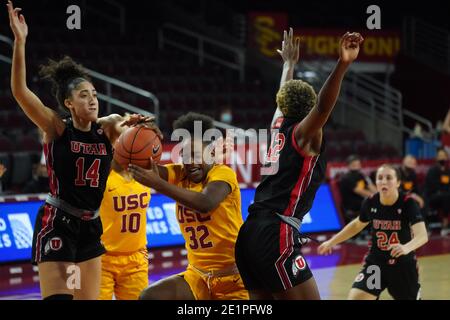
(137, 145)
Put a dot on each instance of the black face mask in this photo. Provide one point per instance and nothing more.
(43, 180)
(442, 163)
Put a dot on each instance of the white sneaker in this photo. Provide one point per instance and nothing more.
(445, 232)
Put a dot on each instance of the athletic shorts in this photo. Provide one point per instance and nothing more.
(215, 287)
(124, 275)
(400, 279)
(268, 254)
(59, 236)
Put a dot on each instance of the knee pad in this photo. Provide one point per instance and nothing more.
(60, 297)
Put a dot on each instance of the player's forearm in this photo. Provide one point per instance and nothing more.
(416, 242)
(288, 73)
(363, 192)
(18, 71)
(330, 90)
(350, 230)
(194, 200)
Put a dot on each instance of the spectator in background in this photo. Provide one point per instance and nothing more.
(39, 182)
(355, 187)
(409, 179)
(437, 188)
(2, 172)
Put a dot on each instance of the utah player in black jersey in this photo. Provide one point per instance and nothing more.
(268, 249)
(78, 151)
(391, 261)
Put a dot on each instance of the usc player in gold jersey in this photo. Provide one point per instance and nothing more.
(123, 213)
(209, 214)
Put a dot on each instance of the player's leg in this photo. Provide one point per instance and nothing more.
(53, 278)
(260, 295)
(172, 288)
(304, 291)
(133, 277)
(358, 294)
(404, 281)
(368, 285)
(90, 272)
(89, 260)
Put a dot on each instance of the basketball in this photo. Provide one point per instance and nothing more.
(137, 145)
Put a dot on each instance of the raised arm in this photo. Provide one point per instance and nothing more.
(44, 117)
(318, 116)
(290, 53)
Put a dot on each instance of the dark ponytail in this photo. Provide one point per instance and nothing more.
(64, 75)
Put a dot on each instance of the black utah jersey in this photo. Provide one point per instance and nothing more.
(78, 165)
(390, 224)
(292, 178)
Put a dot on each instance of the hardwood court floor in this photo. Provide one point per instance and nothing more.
(334, 274)
(335, 282)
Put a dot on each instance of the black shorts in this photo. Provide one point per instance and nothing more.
(59, 236)
(400, 279)
(268, 254)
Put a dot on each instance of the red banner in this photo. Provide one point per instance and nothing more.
(266, 34)
(378, 46)
(246, 163)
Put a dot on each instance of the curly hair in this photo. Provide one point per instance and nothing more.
(296, 98)
(187, 122)
(65, 75)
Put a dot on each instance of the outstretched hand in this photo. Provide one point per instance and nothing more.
(149, 178)
(289, 48)
(17, 22)
(349, 46)
(139, 119)
(325, 248)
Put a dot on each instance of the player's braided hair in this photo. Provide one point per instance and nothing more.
(296, 98)
(65, 75)
(187, 122)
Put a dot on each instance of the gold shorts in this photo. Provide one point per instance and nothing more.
(125, 275)
(223, 284)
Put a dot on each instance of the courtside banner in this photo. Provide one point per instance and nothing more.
(266, 33)
(17, 219)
